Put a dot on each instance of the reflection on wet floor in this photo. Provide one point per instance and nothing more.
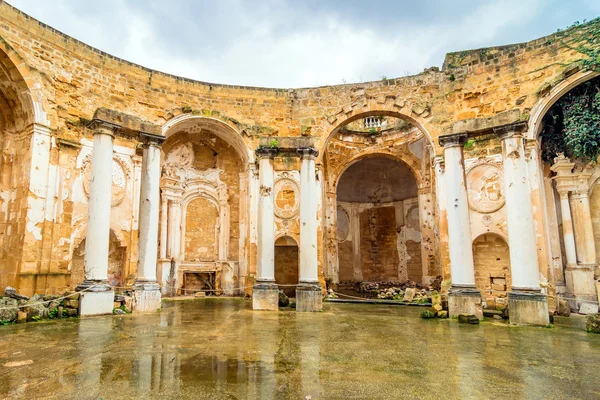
(220, 348)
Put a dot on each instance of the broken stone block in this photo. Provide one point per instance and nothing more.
(71, 312)
(436, 308)
(12, 293)
(442, 314)
(60, 312)
(284, 301)
(73, 303)
(21, 317)
(501, 303)
(592, 323)
(564, 310)
(409, 294)
(200, 294)
(436, 299)
(119, 298)
(588, 308)
(467, 319)
(8, 312)
(490, 303)
(118, 311)
(116, 304)
(128, 302)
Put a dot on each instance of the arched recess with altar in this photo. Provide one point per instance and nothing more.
(204, 184)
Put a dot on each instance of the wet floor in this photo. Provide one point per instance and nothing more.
(221, 349)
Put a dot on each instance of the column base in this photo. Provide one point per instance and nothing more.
(580, 285)
(464, 300)
(146, 297)
(265, 296)
(309, 297)
(97, 299)
(528, 308)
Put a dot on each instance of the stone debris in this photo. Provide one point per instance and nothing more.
(123, 302)
(468, 319)
(284, 300)
(17, 308)
(564, 309)
(592, 323)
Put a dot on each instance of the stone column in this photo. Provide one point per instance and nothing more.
(99, 296)
(265, 295)
(580, 277)
(463, 298)
(308, 291)
(527, 304)
(146, 289)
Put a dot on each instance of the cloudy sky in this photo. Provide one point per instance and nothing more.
(299, 43)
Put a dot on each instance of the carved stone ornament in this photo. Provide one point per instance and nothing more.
(120, 177)
(265, 190)
(287, 198)
(485, 188)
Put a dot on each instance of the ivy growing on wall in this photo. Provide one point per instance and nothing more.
(572, 125)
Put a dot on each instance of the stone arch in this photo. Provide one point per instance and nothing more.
(30, 103)
(410, 162)
(226, 130)
(369, 108)
(540, 109)
(287, 264)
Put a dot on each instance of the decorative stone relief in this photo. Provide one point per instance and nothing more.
(485, 188)
(120, 176)
(287, 198)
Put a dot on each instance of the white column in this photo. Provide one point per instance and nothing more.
(567, 228)
(164, 210)
(308, 217)
(96, 295)
(146, 289)
(266, 221)
(98, 225)
(521, 235)
(457, 209)
(149, 210)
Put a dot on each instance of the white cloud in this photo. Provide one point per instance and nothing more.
(282, 44)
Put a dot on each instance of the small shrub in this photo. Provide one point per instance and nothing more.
(426, 314)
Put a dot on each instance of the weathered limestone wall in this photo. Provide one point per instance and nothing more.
(492, 267)
(51, 85)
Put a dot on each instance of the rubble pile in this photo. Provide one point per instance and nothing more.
(123, 303)
(15, 307)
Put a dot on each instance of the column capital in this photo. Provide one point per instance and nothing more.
(452, 140)
(307, 153)
(150, 139)
(266, 152)
(439, 161)
(510, 130)
(101, 127)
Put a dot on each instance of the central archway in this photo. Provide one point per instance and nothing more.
(378, 228)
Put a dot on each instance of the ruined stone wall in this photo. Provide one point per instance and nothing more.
(287, 266)
(492, 265)
(61, 83)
